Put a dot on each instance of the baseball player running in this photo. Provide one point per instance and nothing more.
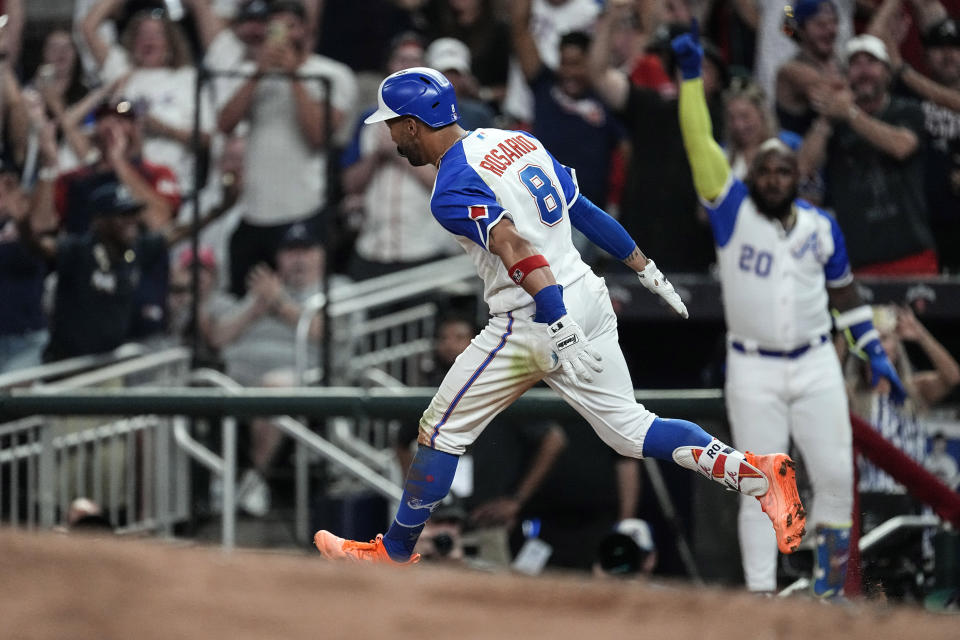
(511, 205)
(780, 260)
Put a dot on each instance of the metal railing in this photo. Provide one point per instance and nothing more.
(231, 400)
(382, 335)
(306, 441)
(129, 466)
(71, 366)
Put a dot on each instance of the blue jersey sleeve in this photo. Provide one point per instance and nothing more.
(837, 267)
(601, 229)
(723, 210)
(464, 205)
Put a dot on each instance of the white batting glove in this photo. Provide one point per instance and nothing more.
(573, 350)
(653, 279)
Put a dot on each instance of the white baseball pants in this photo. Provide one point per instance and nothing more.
(512, 353)
(770, 400)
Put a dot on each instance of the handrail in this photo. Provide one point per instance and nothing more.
(304, 437)
(194, 449)
(426, 273)
(411, 286)
(314, 401)
(311, 307)
(376, 291)
(894, 524)
(299, 432)
(378, 458)
(382, 379)
(60, 368)
(120, 369)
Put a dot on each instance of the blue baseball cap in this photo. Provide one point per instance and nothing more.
(806, 9)
(114, 198)
(299, 236)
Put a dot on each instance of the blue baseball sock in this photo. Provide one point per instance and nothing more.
(428, 482)
(665, 435)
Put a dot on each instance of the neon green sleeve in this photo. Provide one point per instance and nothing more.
(707, 161)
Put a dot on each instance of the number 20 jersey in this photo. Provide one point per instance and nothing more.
(774, 282)
(491, 174)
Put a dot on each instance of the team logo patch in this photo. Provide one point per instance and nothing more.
(417, 503)
(478, 211)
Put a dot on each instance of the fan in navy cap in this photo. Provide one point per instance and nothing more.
(299, 236)
(114, 198)
(111, 281)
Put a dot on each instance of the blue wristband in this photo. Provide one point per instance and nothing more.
(549, 301)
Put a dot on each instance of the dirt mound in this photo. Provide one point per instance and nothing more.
(59, 588)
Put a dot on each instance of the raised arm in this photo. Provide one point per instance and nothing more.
(90, 27)
(209, 24)
(933, 386)
(524, 46)
(707, 162)
(13, 31)
(38, 223)
(612, 84)
(747, 10)
(929, 12)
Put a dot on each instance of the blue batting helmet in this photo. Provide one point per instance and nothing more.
(423, 93)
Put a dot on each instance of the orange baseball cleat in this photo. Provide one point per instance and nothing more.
(337, 548)
(781, 502)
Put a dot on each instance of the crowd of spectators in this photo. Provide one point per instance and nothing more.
(867, 92)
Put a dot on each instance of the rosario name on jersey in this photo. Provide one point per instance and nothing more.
(774, 282)
(491, 174)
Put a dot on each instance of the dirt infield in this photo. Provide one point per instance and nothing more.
(66, 588)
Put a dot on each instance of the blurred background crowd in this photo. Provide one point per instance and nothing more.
(127, 124)
(270, 144)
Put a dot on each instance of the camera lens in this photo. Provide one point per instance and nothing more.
(443, 543)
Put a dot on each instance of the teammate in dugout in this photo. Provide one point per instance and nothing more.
(511, 205)
(781, 259)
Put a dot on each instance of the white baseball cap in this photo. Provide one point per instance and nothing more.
(445, 54)
(866, 43)
(639, 531)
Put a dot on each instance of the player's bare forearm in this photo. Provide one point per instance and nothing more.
(507, 243)
(636, 260)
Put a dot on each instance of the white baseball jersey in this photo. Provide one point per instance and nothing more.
(491, 174)
(775, 300)
(488, 175)
(774, 282)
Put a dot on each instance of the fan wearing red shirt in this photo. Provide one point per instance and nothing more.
(118, 138)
